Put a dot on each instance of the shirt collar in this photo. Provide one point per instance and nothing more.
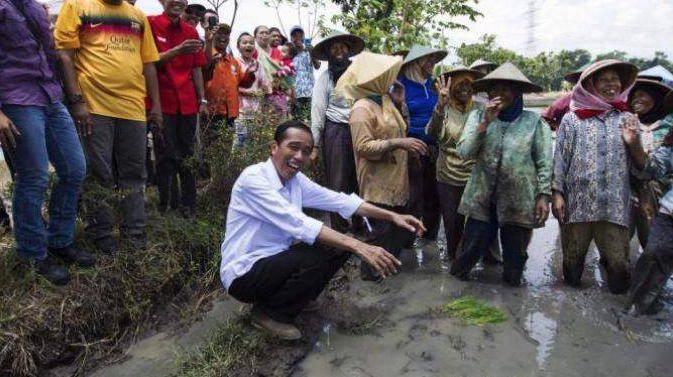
(272, 175)
(166, 22)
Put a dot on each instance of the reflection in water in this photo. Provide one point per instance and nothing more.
(543, 330)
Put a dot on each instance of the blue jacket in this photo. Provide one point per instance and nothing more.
(421, 101)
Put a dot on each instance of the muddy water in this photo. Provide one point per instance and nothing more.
(552, 330)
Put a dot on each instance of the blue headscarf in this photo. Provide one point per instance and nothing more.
(513, 110)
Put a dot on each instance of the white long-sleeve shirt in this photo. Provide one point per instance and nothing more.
(326, 104)
(265, 217)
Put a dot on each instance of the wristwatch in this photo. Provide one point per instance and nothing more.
(204, 102)
(75, 98)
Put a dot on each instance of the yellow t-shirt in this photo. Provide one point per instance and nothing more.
(111, 43)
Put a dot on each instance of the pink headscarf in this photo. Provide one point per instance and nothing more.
(585, 101)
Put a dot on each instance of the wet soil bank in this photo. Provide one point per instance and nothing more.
(389, 329)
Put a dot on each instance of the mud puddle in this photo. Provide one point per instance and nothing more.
(552, 330)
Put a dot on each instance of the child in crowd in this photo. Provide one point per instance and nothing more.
(251, 98)
(283, 82)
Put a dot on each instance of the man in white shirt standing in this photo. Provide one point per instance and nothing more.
(275, 256)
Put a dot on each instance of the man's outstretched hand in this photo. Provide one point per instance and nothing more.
(377, 257)
(409, 223)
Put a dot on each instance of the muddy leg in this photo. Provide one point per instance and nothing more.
(654, 267)
(515, 240)
(386, 235)
(575, 240)
(476, 238)
(454, 222)
(612, 242)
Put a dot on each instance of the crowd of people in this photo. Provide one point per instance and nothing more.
(403, 151)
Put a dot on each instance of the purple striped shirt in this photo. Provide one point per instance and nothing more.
(27, 61)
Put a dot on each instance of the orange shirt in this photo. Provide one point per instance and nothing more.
(222, 89)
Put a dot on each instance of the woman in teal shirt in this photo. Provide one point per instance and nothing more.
(510, 185)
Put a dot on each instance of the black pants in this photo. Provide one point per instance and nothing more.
(477, 239)
(178, 145)
(340, 173)
(281, 285)
(386, 235)
(454, 222)
(423, 195)
(655, 265)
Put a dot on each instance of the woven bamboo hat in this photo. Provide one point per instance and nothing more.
(483, 64)
(418, 52)
(627, 72)
(509, 74)
(355, 44)
(458, 70)
(574, 76)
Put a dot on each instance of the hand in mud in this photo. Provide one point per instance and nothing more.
(559, 207)
(409, 223)
(377, 257)
(542, 210)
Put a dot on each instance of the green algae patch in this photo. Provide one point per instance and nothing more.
(473, 311)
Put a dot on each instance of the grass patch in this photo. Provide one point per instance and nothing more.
(235, 346)
(473, 311)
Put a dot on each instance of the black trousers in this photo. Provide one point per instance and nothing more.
(386, 235)
(423, 195)
(655, 265)
(281, 285)
(477, 239)
(178, 145)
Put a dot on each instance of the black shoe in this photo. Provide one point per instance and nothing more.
(73, 255)
(53, 272)
(106, 245)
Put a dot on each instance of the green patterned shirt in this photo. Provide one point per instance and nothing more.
(512, 169)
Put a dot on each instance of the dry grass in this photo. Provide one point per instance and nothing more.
(42, 325)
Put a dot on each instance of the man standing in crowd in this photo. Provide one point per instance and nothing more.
(330, 115)
(35, 129)
(182, 96)
(108, 53)
(304, 80)
(224, 75)
(275, 256)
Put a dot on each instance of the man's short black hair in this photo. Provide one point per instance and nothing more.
(281, 130)
(257, 29)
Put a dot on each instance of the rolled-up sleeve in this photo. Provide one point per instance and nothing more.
(255, 198)
(318, 197)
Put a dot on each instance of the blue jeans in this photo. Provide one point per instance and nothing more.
(47, 135)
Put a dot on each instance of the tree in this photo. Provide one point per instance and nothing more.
(392, 25)
(217, 4)
(309, 14)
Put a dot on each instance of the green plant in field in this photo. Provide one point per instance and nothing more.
(473, 311)
(233, 345)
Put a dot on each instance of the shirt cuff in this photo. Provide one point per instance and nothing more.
(351, 204)
(310, 230)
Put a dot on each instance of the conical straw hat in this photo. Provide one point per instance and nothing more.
(627, 71)
(476, 74)
(509, 74)
(369, 74)
(479, 63)
(418, 52)
(574, 76)
(355, 44)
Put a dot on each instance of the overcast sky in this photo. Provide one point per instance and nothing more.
(639, 27)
